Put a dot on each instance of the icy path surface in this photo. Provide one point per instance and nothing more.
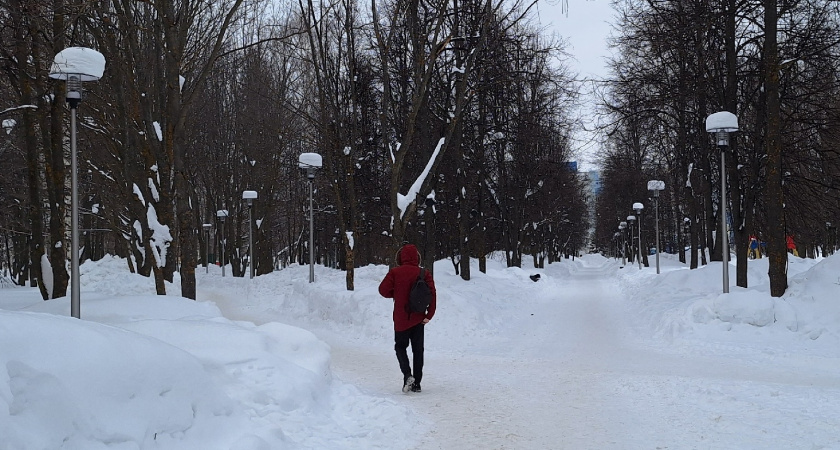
(568, 366)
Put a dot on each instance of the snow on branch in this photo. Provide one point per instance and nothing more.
(403, 201)
(16, 108)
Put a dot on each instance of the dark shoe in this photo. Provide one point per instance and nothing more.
(408, 383)
(415, 387)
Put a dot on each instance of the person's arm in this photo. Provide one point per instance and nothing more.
(386, 287)
(430, 312)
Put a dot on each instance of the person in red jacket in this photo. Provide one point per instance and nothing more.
(408, 326)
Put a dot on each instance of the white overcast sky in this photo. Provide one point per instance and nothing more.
(585, 27)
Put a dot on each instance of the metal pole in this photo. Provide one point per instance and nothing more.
(207, 251)
(656, 207)
(623, 248)
(639, 240)
(725, 237)
(251, 240)
(75, 302)
(311, 237)
(222, 246)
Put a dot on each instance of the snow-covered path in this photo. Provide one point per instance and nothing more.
(569, 365)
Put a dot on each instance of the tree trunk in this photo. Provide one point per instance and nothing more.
(774, 195)
(22, 53)
(55, 173)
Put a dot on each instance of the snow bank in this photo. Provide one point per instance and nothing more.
(148, 371)
(65, 383)
(682, 303)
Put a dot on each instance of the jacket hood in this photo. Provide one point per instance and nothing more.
(408, 256)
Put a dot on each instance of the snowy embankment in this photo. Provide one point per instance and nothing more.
(145, 371)
(687, 307)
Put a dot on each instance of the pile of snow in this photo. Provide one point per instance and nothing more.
(683, 304)
(143, 371)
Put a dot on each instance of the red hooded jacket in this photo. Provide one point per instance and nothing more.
(397, 285)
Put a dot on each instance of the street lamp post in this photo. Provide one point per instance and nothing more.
(621, 227)
(616, 240)
(249, 197)
(309, 163)
(632, 220)
(638, 207)
(655, 186)
(222, 215)
(207, 227)
(722, 123)
(75, 65)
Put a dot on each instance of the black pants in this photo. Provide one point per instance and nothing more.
(401, 340)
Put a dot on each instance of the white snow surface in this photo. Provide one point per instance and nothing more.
(592, 356)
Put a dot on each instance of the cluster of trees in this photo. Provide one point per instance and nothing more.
(442, 123)
(777, 68)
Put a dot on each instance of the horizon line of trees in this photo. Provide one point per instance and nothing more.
(446, 124)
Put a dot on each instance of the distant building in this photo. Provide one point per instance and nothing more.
(594, 179)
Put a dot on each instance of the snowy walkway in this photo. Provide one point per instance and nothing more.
(564, 367)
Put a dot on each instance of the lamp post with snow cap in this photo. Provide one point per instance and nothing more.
(638, 207)
(632, 220)
(655, 186)
(207, 227)
(222, 215)
(621, 227)
(617, 243)
(250, 196)
(309, 163)
(722, 123)
(75, 65)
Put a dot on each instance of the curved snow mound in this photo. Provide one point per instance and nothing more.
(66, 383)
(682, 303)
(750, 307)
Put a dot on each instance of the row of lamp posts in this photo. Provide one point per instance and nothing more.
(721, 124)
(655, 186)
(309, 163)
(75, 65)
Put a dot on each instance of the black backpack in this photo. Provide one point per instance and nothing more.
(420, 296)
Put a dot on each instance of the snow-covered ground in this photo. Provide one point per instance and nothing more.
(592, 356)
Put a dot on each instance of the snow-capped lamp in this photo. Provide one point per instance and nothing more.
(250, 196)
(75, 65)
(638, 207)
(721, 124)
(621, 227)
(655, 186)
(222, 215)
(309, 163)
(207, 227)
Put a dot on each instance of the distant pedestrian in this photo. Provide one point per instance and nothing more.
(755, 253)
(409, 327)
(791, 246)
